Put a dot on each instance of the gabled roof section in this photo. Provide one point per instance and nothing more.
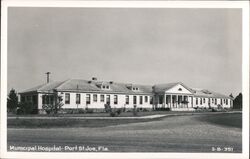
(160, 88)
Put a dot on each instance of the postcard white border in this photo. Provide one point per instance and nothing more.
(244, 5)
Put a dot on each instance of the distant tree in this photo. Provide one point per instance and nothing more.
(12, 101)
(237, 102)
(231, 96)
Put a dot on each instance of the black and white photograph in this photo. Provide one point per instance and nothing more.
(102, 79)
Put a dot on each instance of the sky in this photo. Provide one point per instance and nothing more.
(199, 47)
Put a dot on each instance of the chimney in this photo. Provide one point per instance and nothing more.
(48, 73)
(94, 79)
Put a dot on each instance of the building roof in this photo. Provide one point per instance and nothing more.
(43, 88)
(114, 87)
(90, 86)
(207, 93)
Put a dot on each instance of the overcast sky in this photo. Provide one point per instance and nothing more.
(199, 47)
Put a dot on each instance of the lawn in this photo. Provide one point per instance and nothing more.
(103, 114)
(68, 122)
(186, 133)
(233, 120)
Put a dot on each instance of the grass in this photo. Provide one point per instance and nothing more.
(232, 120)
(185, 133)
(103, 114)
(66, 122)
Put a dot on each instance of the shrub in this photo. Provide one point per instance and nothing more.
(81, 111)
(48, 108)
(107, 108)
(119, 111)
(53, 108)
(89, 111)
(113, 114)
(135, 110)
(162, 109)
(26, 108)
(145, 110)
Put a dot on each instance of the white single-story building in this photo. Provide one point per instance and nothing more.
(94, 94)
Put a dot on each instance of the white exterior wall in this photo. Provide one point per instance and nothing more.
(100, 105)
(122, 101)
(40, 99)
(212, 102)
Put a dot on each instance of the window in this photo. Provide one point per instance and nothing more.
(160, 99)
(108, 99)
(146, 99)
(88, 99)
(215, 101)
(127, 99)
(103, 87)
(204, 100)
(28, 98)
(196, 101)
(95, 98)
(47, 99)
(43, 100)
(140, 99)
(168, 97)
(179, 99)
(221, 101)
(115, 99)
(51, 99)
(179, 89)
(34, 99)
(200, 101)
(185, 99)
(102, 98)
(134, 100)
(23, 99)
(226, 101)
(151, 99)
(107, 87)
(67, 98)
(78, 98)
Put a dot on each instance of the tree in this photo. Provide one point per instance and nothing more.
(12, 101)
(237, 102)
(231, 96)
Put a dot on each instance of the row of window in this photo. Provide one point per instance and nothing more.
(184, 99)
(95, 99)
(214, 101)
(32, 99)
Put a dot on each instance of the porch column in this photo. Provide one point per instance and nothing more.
(164, 100)
(170, 101)
(182, 98)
